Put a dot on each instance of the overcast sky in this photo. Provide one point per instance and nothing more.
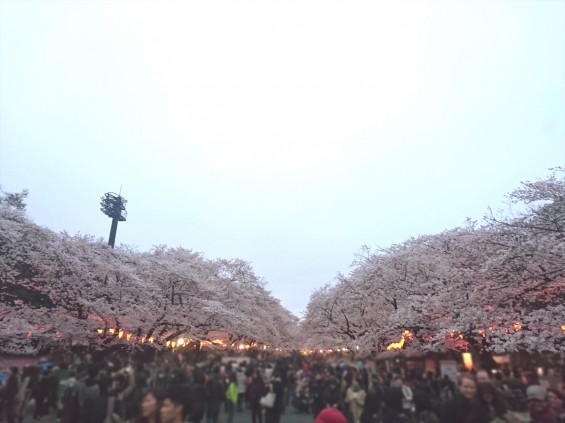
(285, 133)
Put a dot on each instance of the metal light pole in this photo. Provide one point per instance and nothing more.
(114, 206)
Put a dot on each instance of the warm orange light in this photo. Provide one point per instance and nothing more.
(120, 334)
(563, 328)
(517, 326)
(180, 342)
(111, 331)
(128, 337)
(400, 344)
(173, 344)
(100, 331)
(396, 345)
(468, 361)
(168, 343)
(143, 340)
(151, 339)
(219, 342)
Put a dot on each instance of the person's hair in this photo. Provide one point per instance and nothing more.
(257, 376)
(177, 396)
(92, 371)
(556, 393)
(158, 394)
(199, 378)
(463, 376)
(486, 388)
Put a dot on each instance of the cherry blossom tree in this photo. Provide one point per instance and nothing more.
(57, 289)
(497, 286)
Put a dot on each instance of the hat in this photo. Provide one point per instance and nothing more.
(536, 392)
(330, 415)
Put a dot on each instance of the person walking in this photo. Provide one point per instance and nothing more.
(231, 396)
(355, 398)
(216, 396)
(255, 391)
(273, 414)
(10, 392)
(197, 394)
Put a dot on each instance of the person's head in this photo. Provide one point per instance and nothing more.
(199, 378)
(92, 371)
(467, 386)
(398, 382)
(555, 399)
(330, 415)
(232, 377)
(489, 395)
(486, 392)
(483, 376)
(172, 407)
(150, 406)
(537, 398)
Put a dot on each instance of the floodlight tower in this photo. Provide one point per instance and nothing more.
(114, 206)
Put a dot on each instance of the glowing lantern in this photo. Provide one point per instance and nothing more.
(467, 360)
(151, 340)
(100, 331)
(219, 342)
(143, 340)
(120, 334)
(180, 342)
(241, 347)
(111, 331)
(128, 337)
(400, 344)
(396, 345)
(563, 328)
(173, 344)
(168, 343)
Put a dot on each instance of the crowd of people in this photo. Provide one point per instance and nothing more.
(174, 389)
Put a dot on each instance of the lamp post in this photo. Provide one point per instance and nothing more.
(114, 205)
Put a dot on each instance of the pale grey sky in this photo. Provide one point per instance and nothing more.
(285, 133)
